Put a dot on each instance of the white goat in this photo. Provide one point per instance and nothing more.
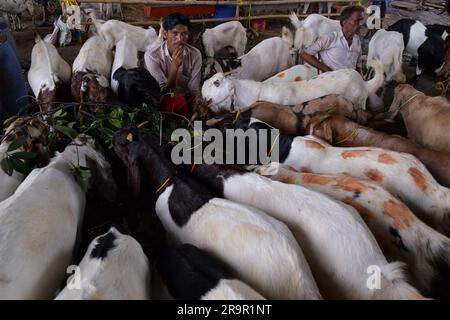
(103, 11)
(296, 73)
(337, 243)
(13, 9)
(400, 234)
(126, 56)
(387, 47)
(8, 184)
(228, 93)
(114, 268)
(114, 30)
(401, 174)
(48, 73)
(258, 65)
(39, 222)
(308, 30)
(95, 56)
(230, 33)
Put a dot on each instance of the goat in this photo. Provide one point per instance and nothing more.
(91, 71)
(103, 11)
(308, 30)
(428, 48)
(296, 73)
(425, 117)
(13, 9)
(134, 85)
(39, 222)
(125, 56)
(49, 75)
(387, 46)
(231, 93)
(401, 174)
(257, 65)
(320, 225)
(190, 273)
(112, 31)
(338, 130)
(292, 120)
(113, 268)
(440, 30)
(401, 236)
(228, 34)
(8, 183)
(253, 244)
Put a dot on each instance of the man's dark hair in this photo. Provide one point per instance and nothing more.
(170, 21)
(348, 11)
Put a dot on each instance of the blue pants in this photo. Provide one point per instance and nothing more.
(13, 90)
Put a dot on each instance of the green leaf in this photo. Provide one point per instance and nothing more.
(17, 143)
(82, 176)
(7, 166)
(131, 116)
(71, 133)
(116, 113)
(19, 165)
(23, 155)
(57, 114)
(71, 124)
(116, 123)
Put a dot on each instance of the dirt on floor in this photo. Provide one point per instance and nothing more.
(25, 39)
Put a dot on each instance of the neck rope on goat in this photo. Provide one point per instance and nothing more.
(409, 100)
(166, 183)
(349, 137)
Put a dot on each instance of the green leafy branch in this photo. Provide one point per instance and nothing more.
(16, 161)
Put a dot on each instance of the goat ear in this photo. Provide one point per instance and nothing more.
(321, 130)
(395, 105)
(327, 132)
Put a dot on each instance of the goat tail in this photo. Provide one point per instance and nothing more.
(161, 30)
(398, 72)
(377, 81)
(393, 284)
(96, 23)
(294, 20)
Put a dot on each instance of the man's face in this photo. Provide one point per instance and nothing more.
(177, 36)
(354, 23)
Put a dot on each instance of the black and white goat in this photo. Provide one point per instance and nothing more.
(190, 273)
(113, 268)
(133, 85)
(428, 48)
(259, 249)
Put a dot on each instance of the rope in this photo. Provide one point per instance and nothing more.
(273, 145)
(238, 113)
(350, 136)
(403, 104)
(441, 87)
(169, 179)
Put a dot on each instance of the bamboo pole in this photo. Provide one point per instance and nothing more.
(209, 2)
(270, 16)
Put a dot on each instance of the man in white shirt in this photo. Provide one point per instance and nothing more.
(340, 49)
